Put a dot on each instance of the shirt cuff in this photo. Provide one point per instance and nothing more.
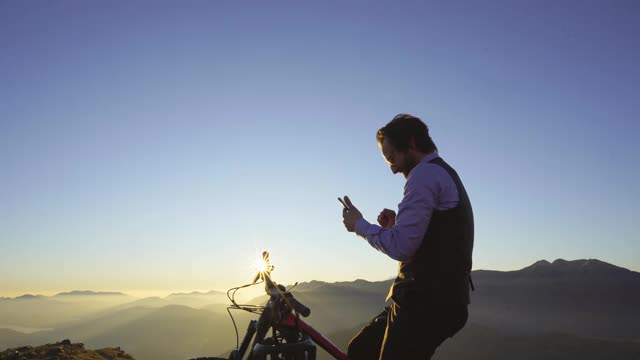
(361, 227)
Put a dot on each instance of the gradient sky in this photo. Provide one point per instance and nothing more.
(159, 146)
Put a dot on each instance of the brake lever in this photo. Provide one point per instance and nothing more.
(292, 287)
(275, 292)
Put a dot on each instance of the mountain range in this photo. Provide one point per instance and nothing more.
(562, 309)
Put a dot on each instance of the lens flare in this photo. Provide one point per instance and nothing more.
(263, 264)
(260, 265)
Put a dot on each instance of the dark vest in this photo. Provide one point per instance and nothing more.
(440, 271)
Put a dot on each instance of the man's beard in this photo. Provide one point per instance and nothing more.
(410, 163)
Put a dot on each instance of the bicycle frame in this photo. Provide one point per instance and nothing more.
(281, 315)
(320, 340)
(295, 323)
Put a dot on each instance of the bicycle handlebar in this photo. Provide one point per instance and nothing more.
(279, 290)
(298, 306)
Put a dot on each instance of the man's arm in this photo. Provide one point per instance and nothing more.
(421, 194)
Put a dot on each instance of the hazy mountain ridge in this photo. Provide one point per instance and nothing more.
(359, 284)
(26, 297)
(67, 308)
(68, 294)
(170, 332)
(197, 299)
(198, 293)
(560, 270)
(109, 293)
(583, 299)
(90, 293)
(583, 266)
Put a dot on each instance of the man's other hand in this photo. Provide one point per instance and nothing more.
(351, 216)
(387, 218)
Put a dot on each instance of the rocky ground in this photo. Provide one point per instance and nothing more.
(63, 350)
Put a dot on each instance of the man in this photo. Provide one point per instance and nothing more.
(431, 237)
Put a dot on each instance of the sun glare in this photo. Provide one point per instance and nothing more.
(260, 265)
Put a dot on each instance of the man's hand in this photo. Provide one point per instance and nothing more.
(387, 218)
(349, 217)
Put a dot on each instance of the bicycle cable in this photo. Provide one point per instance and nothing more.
(254, 309)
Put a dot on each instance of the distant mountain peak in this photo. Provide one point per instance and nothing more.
(198, 293)
(29, 296)
(591, 265)
(541, 263)
(584, 263)
(90, 293)
(315, 282)
(573, 267)
(361, 281)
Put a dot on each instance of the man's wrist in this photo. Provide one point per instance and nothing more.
(361, 227)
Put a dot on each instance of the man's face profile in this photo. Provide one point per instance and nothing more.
(399, 161)
(393, 157)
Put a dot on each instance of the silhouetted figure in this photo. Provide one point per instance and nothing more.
(431, 237)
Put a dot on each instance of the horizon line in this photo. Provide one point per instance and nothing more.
(141, 294)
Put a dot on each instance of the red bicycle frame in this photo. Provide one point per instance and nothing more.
(281, 313)
(320, 340)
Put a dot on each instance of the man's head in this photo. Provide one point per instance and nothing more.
(404, 141)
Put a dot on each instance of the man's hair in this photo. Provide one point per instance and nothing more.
(402, 129)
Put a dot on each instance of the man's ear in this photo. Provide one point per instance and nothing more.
(412, 143)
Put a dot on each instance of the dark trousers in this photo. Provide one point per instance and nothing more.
(407, 332)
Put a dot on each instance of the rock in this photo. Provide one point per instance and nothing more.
(63, 350)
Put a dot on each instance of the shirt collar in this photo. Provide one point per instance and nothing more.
(425, 160)
(429, 157)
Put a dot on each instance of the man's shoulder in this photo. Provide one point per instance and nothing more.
(432, 168)
(429, 173)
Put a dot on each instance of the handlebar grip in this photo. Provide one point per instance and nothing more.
(299, 307)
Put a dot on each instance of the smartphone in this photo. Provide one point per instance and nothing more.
(343, 204)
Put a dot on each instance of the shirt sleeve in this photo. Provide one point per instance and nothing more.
(402, 241)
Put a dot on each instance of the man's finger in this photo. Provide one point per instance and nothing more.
(349, 203)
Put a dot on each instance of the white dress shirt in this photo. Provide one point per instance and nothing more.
(429, 187)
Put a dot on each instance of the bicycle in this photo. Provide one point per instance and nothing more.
(291, 337)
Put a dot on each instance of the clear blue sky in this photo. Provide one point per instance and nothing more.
(155, 146)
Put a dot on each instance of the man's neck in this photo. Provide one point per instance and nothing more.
(421, 156)
(417, 158)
